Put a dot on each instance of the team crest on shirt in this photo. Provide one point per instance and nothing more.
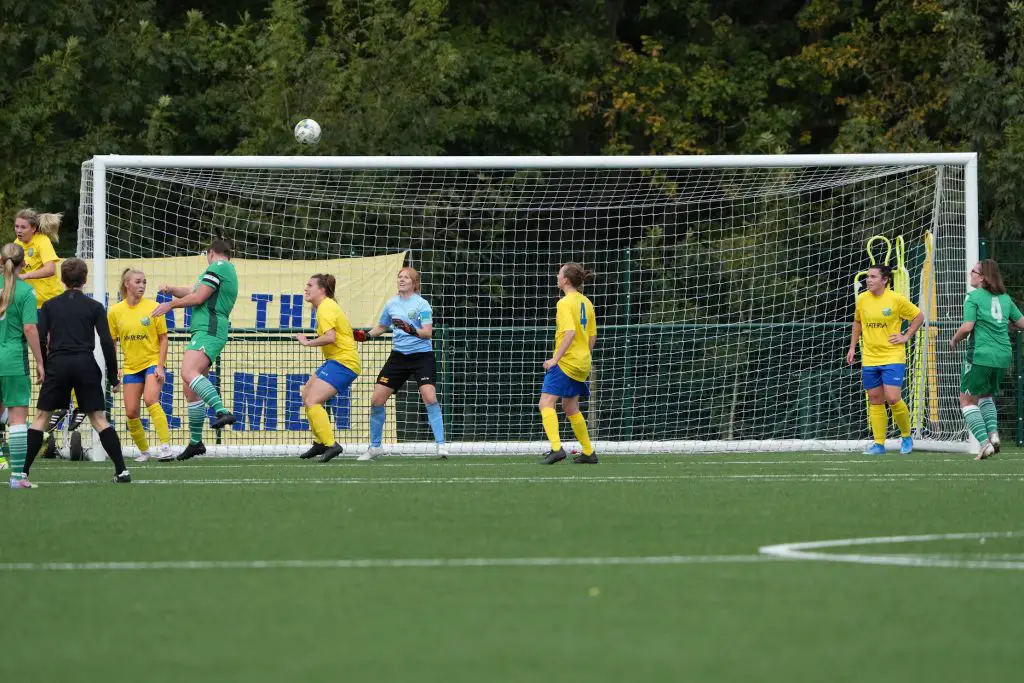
(887, 312)
(31, 251)
(145, 321)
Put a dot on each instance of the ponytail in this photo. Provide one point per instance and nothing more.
(326, 282)
(12, 257)
(577, 275)
(46, 223)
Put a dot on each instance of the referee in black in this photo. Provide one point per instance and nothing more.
(67, 327)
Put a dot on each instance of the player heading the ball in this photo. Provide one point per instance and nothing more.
(211, 299)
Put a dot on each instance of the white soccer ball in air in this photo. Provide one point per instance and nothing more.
(307, 132)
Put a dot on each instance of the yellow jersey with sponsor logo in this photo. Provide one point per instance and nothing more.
(329, 316)
(138, 334)
(574, 312)
(880, 317)
(38, 252)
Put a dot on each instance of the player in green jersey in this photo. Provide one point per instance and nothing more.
(212, 298)
(18, 334)
(989, 312)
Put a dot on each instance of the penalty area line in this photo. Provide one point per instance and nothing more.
(380, 563)
(812, 551)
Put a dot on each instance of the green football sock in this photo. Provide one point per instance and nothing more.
(975, 423)
(196, 418)
(988, 412)
(208, 393)
(17, 436)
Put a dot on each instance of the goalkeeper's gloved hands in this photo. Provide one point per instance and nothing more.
(360, 335)
(404, 326)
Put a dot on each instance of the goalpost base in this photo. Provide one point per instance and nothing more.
(633, 448)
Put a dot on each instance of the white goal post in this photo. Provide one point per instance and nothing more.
(724, 290)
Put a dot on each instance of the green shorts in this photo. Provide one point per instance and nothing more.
(980, 380)
(15, 391)
(208, 344)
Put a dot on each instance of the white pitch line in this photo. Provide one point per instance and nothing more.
(342, 480)
(398, 563)
(809, 551)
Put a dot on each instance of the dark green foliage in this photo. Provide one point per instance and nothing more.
(458, 77)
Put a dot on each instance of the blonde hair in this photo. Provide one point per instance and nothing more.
(413, 275)
(127, 273)
(46, 223)
(12, 257)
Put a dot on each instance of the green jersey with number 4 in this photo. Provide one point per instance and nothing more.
(212, 315)
(989, 343)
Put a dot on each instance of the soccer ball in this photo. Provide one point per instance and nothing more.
(307, 132)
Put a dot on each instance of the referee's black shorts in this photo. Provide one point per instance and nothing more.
(78, 372)
(402, 366)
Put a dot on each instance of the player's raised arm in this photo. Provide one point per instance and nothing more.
(176, 292)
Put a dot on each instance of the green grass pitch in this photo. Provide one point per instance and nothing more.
(497, 569)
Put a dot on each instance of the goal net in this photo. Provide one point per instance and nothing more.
(724, 291)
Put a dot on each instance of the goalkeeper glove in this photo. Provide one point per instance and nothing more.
(404, 326)
(360, 335)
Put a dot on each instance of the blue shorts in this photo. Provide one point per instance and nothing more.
(337, 375)
(891, 375)
(138, 377)
(558, 383)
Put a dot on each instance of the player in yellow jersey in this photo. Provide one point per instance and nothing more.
(37, 233)
(567, 370)
(879, 317)
(341, 364)
(143, 340)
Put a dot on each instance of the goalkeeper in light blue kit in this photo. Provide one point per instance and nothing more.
(989, 312)
(411, 318)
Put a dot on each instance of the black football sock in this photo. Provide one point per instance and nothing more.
(112, 445)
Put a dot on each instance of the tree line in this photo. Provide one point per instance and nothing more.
(85, 77)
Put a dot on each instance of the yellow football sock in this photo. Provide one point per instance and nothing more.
(138, 433)
(901, 416)
(579, 428)
(320, 424)
(879, 421)
(550, 420)
(159, 419)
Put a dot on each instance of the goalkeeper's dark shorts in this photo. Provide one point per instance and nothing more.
(400, 367)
